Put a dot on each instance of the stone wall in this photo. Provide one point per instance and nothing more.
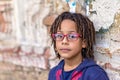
(27, 49)
(10, 71)
(107, 24)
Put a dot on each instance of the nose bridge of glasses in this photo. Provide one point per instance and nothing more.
(65, 37)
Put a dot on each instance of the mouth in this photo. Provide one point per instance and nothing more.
(65, 50)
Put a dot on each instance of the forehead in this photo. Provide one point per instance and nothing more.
(67, 25)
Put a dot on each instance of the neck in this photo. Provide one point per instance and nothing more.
(71, 64)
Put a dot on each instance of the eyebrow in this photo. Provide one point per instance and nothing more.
(67, 31)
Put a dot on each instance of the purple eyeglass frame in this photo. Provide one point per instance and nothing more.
(66, 35)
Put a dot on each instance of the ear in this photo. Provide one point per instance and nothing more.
(84, 45)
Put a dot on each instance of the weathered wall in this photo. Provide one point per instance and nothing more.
(107, 24)
(26, 44)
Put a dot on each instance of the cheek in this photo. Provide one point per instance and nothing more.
(76, 45)
(58, 44)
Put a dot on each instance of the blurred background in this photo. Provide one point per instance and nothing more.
(26, 52)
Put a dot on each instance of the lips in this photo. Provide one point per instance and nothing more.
(65, 50)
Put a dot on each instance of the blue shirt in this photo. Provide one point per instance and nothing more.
(66, 74)
(87, 70)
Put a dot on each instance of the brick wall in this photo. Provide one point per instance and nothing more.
(30, 56)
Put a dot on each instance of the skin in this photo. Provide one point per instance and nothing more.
(70, 50)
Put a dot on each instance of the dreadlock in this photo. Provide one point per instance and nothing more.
(84, 27)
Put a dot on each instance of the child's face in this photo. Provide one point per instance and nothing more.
(69, 46)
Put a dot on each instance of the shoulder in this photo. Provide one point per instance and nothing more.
(52, 73)
(55, 69)
(96, 72)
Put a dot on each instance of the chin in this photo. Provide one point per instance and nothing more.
(66, 57)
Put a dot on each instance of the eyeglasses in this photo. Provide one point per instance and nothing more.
(70, 37)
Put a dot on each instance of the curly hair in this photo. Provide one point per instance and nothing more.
(85, 27)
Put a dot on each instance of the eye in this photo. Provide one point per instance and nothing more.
(72, 36)
(58, 35)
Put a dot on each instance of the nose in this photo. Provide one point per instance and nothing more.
(65, 40)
